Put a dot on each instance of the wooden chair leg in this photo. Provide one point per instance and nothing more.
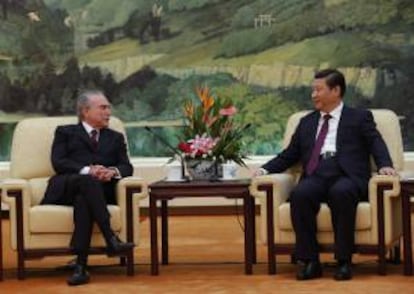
(21, 272)
(395, 256)
(381, 264)
(293, 259)
(130, 262)
(122, 261)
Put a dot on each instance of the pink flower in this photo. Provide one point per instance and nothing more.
(202, 145)
(228, 111)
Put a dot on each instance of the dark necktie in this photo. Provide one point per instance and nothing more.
(316, 151)
(94, 139)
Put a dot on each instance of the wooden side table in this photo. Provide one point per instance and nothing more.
(407, 191)
(164, 191)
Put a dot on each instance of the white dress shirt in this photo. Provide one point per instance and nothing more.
(88, 128)
(329, 144)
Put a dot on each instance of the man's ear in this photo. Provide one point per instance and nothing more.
(337, 90)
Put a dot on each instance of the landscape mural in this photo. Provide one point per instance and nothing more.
(148, 56)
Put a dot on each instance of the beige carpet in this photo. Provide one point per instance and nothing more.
(206, 256)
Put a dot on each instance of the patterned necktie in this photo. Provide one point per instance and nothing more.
(316, 151)
(94, 139)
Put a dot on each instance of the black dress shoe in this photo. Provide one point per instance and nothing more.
(310, 270)
(343, 271)
(117, 247)
(69, 266)
(80, 276)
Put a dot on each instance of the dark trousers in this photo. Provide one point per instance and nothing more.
(87, 196)
(330, 185)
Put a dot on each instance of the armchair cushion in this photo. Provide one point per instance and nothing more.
(59, 219)
(363, 220)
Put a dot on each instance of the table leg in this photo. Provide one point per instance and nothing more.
(406, 219)
(253, 227)
(248, 235)
(164, 231)
(154, 237)
(270, 232)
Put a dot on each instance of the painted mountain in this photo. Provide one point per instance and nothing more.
(148, 56)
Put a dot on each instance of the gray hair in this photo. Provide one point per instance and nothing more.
(83, 101)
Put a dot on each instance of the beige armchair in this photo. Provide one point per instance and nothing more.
(43, 230)
(378, 221)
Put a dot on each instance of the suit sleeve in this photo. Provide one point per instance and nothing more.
(287, 157)
(123, 165)
(60, 159)
(377, 147)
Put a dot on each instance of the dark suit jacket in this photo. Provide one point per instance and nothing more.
(72, 150)
(357, 139)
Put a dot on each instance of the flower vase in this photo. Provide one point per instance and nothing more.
(203, 169)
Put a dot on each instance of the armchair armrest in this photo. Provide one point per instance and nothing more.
(282, 184)
(130, 191)
(391, 182)
(16, 193)
(13, 189)
(384, 199)
(134, 187)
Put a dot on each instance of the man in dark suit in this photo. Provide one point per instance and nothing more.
(333, 144)
(89, 159)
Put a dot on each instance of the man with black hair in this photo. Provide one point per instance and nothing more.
(334, 144)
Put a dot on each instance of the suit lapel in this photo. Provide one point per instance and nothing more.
(104, 138)
(313, 125)
(312, 128)
(84, 136)
(342, 122)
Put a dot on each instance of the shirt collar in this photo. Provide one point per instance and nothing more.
(88, 128)
(336, 112)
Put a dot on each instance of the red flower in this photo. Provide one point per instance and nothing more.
(184, 147)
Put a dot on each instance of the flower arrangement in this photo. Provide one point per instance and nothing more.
(210, 131)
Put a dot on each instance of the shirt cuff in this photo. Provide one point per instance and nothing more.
(263, 171)
(85, 170)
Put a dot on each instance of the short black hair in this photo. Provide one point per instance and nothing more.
(333, 78)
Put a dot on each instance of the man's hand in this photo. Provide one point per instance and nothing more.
(95, 170)
(107, 175)
(386, 170)
(259, 172)
(102, 173)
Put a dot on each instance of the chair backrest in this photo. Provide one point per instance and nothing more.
(388, 125)
(32, 141)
